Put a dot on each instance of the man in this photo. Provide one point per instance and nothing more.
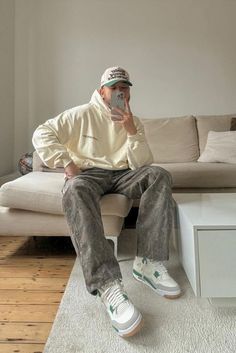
(100, 155)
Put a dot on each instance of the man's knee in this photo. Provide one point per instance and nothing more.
(159, 173)
(78, 186)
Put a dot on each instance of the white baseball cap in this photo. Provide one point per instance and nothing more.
(115, 74)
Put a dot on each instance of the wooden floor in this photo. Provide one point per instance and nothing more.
(33, 276)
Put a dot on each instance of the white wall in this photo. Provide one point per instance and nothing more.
(6, 86)
(181, 55)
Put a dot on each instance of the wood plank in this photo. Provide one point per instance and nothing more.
(24, 332)
(39, 265)
(36, 246)
(7, 252)
(34, 283)
(29, 297)
(25, 313)
(11, 239)
(33, 276)
(30, 271)
(12, 242)
(21, 348)
(37, 261)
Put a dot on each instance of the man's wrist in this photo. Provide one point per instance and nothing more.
(71, 163)
(67, 162)
(132, 132)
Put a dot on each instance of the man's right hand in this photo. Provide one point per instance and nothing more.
(71, 170)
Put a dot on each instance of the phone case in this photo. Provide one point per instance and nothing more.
(117, 101)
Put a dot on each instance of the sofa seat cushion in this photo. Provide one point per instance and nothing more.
(41, 192)
(172, 140)
(202, 175)
(15, 222)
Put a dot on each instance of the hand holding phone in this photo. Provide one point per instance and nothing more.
(117, 101)
(124, 115)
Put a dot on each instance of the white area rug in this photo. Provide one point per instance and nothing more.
(185, 325)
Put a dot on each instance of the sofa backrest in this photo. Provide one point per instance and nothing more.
(172, 140)
(206, 123)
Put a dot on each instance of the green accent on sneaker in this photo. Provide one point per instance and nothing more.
(125, 296)
(156, 274)
(115, 328)
(137, 273)
(150, 282)
(111, 309)
(144, 260)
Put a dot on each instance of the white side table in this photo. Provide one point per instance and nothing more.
(207, 242)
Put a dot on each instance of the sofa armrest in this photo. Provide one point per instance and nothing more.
(39, 166)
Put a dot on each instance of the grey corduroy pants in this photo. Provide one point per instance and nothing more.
(81, 196)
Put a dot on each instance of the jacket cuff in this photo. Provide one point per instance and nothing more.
(137, 137)
(66, 162)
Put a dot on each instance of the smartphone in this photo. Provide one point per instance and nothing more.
(117, 101)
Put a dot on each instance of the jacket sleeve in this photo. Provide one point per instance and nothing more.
(139, 153)
(49, 140)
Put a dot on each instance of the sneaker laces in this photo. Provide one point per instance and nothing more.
(117, 298)
(159, 267)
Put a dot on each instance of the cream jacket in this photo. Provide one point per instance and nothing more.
(87, 136)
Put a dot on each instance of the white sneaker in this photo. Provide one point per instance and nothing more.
(125, 318)
(155, 275)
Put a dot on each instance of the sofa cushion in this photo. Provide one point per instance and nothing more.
(220, 147)
(17, 222)
(206, 123)
(202, 175)
(41, 192)
(172, 139)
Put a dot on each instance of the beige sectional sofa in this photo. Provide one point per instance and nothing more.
(31, 204)
(177, 143)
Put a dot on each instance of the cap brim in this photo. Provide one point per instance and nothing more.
(113, 82)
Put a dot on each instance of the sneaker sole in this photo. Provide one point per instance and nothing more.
(158, 291)
(135, 328)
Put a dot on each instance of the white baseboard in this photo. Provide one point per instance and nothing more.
(223, 302)
(4, 179)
